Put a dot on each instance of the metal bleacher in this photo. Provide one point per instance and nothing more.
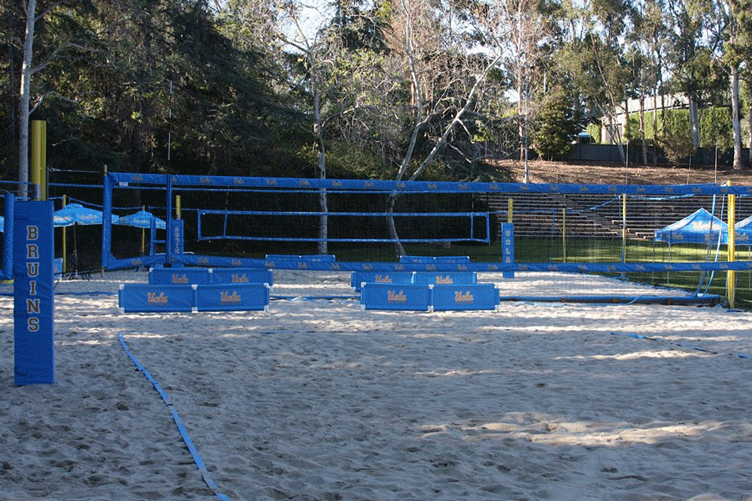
(539, 215)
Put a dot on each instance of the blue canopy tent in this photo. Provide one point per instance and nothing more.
(74, 215)
(744, 224)
(699, 227)
(703, 227)
(141, 219)
(744, 231)
(145, 220)
(744, 236)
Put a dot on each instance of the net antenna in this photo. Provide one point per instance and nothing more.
(711, 274)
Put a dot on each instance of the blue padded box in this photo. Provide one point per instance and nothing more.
(380, 277)
(396, 297)
(232, 297)
(465, 297)
(179, 276)
(155, 298)
(242, 276)
(445, 277)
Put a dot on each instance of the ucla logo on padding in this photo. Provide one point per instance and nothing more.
(396, 297)
(229, 298)
(154, 298)
(179, 279)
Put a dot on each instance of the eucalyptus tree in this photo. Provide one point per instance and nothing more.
(445, 79)
(725, 40)
(11, 32)
(645, 57)
(738, 57)
(652, 34)
(690, 58)
(742, 11)
(520, 33)
(27, 70)
(36, 56)
(732, 58)
(594, 57)
(313, 49)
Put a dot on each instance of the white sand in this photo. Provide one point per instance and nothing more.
(320, 400)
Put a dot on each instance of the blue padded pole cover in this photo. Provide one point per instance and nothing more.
(33, 312)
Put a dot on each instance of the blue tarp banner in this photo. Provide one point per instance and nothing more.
(33, 291)
(242, 276)
(434, 259)
(480, 267)
(314, 258)
(301, 262)
(232, 297)
(445, 277)
(465, 297)
(396, 297)
(155, 298)
(130, 179)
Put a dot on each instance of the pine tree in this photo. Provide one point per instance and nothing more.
(557, 126)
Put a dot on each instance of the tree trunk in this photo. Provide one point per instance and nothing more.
(627, 131)
(25, 98)
(735, 118)
(399, 250)
(655, 127)
(642, 130)
(694, 122)
(319, 134)
(663, 112)
(520, 110)
(13, 97)
(749, 119)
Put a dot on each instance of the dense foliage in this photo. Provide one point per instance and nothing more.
(558, 125)
(387, 90)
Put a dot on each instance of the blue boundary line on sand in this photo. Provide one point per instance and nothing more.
(176, 417)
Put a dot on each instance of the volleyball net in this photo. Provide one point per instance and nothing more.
(661, 235)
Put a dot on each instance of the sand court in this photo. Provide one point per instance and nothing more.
(320, 400)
